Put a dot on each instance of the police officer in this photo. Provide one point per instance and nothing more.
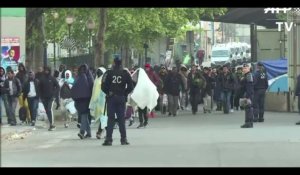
(247, 87)
(116, 84)
(260, 87)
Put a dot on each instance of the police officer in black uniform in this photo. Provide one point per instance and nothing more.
(247, 87)
(116, 84)
(260, 87)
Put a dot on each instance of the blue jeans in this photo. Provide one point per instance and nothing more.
(225, 96)
(33, 103)
(12, 104)
(85, 124)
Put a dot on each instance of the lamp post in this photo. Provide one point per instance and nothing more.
(45, 53)
(90, 25)
(55, 16)
(145, 47)
(69, 21)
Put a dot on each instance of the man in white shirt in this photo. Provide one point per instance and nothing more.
(31, 92)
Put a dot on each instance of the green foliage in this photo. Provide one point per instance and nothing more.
(78, 31)
(129, 27)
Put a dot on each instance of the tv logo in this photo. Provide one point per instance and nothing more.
(287, 25)
(277, 10)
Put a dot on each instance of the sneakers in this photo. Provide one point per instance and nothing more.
(33, 123)
(261, 120)
(247, 125)
(124, 142)
(131, 122)
(13, 124)
(145, 124)
(98, 135)
(107, 143)
(78, 125)
(80, 135)
(52, 128)
(298, 123)
(231, 110)
(141, 125)
(88, 136)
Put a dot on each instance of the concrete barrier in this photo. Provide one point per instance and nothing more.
(276, 102)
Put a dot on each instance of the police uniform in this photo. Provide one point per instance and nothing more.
(116, 84)
(247, 87)
(260, 87)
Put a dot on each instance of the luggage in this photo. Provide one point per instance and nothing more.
(23, 114)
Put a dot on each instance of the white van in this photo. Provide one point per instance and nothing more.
(221, 54)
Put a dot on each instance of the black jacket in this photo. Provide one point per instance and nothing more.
(173, 83)
(227, 82)
(260, 80)
(26, 88)
(114, 82)
(247, 86)
(48, 86)
(2, 79)
(209, 85)
(16, 85)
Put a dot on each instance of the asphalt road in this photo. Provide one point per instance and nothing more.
(203, 140)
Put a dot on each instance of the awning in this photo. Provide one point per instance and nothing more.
(246, 16)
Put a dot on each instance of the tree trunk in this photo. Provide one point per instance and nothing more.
(34, 38)
(100, 46)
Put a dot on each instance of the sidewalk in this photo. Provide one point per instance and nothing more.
(20, 131)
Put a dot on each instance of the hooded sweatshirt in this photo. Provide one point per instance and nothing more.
(48, 85)
(22, 75)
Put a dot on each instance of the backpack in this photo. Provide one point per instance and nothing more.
(22, 114)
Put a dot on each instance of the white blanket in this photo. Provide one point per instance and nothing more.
(145, 92)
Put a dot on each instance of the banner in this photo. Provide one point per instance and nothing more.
(10, 52)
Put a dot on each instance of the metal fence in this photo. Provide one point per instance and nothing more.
(78, 60)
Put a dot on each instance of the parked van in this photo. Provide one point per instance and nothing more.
(221, 54)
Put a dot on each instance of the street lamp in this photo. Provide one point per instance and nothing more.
(90, 25)
(45, 53)
(145, 47)
(69, 21)
(55, 16)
